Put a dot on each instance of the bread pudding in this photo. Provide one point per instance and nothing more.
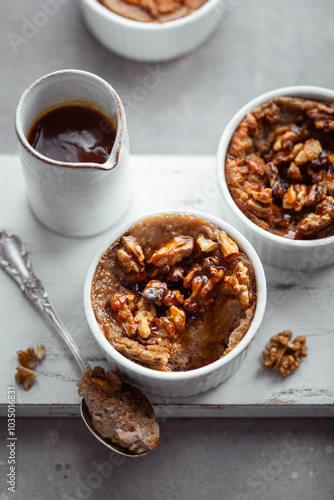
(174, 293)
(119, 411)
(279, 167)
(158, 11)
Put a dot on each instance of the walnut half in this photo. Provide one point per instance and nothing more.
(283, 355)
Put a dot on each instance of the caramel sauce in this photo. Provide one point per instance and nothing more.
(73, 134)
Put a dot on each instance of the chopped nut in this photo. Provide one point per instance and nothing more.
(131, 259)
(178, 316)
(239, 282)
(202, 279)
(176, 274)
(206, 245)
(311, 150)
(109, 382)
(295, 197)
(172, 252)
(144, 318)
(264, 196)
(323, 117)
(25, 377)
(294, 172)
(172, 297)
(229, 248)
(328, 180)
(323, 217)
(27, 358)
(154, 291)
(283, 355)
(40, 352)
(316, 194)
(122, 307)
(260, 210)
(275, 181)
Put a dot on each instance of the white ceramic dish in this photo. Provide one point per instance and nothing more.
(275, 250)
(177, 384)
(152, 42)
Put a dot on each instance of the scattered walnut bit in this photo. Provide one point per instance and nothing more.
(239, 282)
(131, 259)
(283, 355)
(172, 252)
(295, 197)
(206, 245)
(109, 382)
(122, 307)
(316, 194)
(176, 274)
(25, 377)
(202, 279)
(144, 318)
(229, 248)
(260, 210)
(294, 172)
(172, 297)
(264, 196)
(178, 316)
(323, 217)
(328, 180)
(40, 352)
(323, 117)
(154, 291)
(28, 358)
(275, 181)
(311, 150)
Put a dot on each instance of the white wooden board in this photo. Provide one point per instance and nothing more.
(301, 303)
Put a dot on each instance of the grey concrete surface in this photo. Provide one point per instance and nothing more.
(261, 44)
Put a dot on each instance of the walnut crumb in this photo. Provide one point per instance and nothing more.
(27, 358)
(25, 376)
(40, 352)
(283, 355)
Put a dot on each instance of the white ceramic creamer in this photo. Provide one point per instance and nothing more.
(74, 199)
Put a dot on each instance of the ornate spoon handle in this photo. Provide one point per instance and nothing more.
(15, 261)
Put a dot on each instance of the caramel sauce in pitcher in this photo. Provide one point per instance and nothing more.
(73, 134)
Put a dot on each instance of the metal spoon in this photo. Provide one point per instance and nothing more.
(15, 261)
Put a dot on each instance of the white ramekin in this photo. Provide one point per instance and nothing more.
(177, 384)
(275, 250)
(152, 42)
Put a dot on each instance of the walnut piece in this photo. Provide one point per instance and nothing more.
(239, 283)
(311, 150)
(25, 376)
(40, 352)
(283, 355)
(154, 291)
(109, 382)
(202, 279)
(131, 259)
(295, 197)
(206, 245)
(172, 252)
(28, 358)
(122, 307)
(323, 216)
(229, 248)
